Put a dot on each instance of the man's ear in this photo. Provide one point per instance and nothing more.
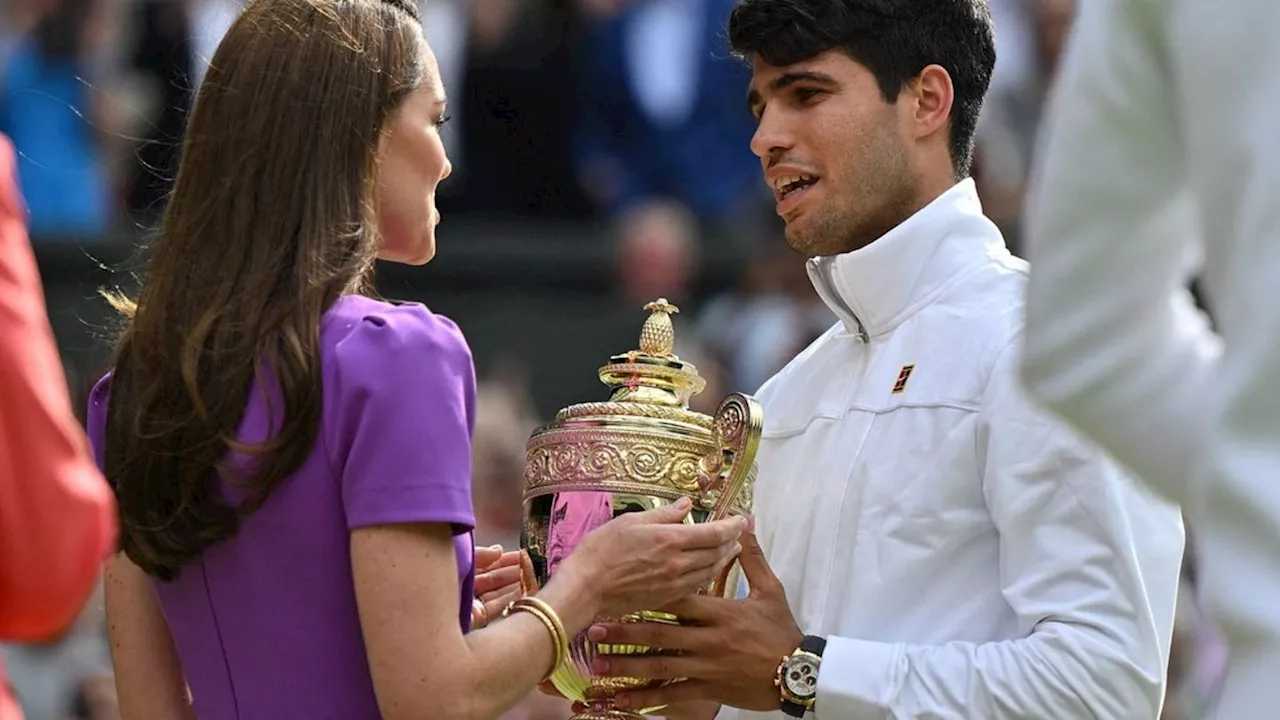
(933, 95)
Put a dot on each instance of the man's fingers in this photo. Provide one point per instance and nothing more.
(698, 609)
(653, 635)
(528, 578)
(756, 568)
(658, 667)
(500, 579)
(679, 692)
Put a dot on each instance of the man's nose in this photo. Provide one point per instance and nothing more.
(771, 136)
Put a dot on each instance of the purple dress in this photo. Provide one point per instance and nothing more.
(266, 623)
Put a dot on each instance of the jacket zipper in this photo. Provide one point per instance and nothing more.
(825, 265)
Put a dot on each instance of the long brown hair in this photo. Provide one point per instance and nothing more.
(271, 219)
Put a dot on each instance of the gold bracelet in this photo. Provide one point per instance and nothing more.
(553, 616)
(548, 616)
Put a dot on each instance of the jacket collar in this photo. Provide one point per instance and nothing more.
(873, 289)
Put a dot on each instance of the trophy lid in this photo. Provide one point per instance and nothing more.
(653, 374)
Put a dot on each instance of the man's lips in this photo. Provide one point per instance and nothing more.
(789, 198)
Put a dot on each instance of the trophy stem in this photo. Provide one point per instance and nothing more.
(607, 715)
(604, 710)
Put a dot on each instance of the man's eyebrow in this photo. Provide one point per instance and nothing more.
(785, 81)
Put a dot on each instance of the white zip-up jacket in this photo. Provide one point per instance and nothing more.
(1167, 106)
(965, 555)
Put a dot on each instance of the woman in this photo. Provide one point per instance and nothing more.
(291, 458)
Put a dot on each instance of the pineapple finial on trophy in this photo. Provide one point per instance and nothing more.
(658, 336)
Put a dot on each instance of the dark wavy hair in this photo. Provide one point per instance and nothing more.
(271, 219)
(894, 39)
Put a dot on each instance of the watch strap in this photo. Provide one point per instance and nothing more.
(813, 644)
(793, 709)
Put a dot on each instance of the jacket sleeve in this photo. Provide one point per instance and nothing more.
(1122, 125)
(1115, 344)
(57, 514)
(1089, 565)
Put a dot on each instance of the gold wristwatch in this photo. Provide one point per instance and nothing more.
(797, 677)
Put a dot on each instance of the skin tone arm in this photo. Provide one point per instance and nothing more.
(406, 584)
(422, 664)
(149, 681)
(407, 590)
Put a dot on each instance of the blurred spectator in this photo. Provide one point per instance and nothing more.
(692, 350)
(17, 17)
(208, 21)
(759, 327)
(1198, 659)
(53, 108)
(49, 678)
(657, 252)
(446, 24)
(165, 54)
(504, 420)
(662, 109)
(1015, 106)
(516, 110)
(1053, 19)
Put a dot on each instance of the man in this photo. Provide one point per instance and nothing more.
(57, 515)
(942, 548)
(1162, 149)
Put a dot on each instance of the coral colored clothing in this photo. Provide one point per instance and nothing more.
(57, 515)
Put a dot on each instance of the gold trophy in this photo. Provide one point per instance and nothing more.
(641, 449)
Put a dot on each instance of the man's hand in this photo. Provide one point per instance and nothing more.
(729, 652)
(498, 583)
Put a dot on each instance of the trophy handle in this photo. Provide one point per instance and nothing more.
(737, 426)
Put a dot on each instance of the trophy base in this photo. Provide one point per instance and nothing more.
(607, 715)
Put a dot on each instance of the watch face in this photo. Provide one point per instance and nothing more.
(801, 677)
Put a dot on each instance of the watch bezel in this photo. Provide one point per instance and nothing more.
(805, 659)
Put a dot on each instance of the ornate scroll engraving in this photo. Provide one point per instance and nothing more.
(603, 459)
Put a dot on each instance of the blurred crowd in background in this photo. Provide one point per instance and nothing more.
(617, 124)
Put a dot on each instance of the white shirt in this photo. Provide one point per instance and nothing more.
(964, 554)
(1164, 135)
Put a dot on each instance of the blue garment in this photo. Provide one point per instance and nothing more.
(702, 158)
(45, 110)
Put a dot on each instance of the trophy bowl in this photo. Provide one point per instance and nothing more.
(639, 450)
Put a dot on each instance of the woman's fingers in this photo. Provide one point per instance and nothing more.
(487, 556)
(494, 607)
(499, 579)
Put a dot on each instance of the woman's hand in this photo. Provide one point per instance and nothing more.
(498, 583)
(648, 560)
